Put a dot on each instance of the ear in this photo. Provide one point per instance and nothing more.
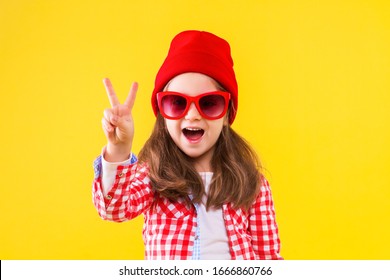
(226, 120)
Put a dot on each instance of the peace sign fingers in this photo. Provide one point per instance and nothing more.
(118, 124)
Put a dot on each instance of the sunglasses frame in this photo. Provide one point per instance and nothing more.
(195, 100)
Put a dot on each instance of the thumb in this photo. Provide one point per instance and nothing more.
(119, 121)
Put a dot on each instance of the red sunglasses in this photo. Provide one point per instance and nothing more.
(210, 105)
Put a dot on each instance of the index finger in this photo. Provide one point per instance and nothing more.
(114, 101)
(131, 97)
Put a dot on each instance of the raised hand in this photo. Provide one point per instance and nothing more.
(118, 124)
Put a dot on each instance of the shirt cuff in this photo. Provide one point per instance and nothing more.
(109, 169)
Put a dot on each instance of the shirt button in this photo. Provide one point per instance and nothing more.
(108, 196)
(120, 174)
(196, 237)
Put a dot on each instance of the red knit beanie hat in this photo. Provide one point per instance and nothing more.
(201, 52)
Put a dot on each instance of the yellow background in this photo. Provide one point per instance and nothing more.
(314, 101)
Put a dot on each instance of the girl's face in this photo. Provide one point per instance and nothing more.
(193, 134)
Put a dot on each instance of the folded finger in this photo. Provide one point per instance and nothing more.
(107, 114)
(111, 116)
(107, 126)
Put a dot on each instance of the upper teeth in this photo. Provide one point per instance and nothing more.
(193, 129)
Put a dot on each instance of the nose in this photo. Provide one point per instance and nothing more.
(193, 113)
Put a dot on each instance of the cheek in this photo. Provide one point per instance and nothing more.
(172, 127)
(216, 128)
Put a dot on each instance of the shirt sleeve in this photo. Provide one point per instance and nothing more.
(109, 171)
(263, 226)
(129, 194)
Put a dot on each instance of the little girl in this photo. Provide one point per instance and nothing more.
(197, 182)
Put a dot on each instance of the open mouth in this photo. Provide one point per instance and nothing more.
(193, 134)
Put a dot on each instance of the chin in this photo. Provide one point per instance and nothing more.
(192, 154)
(196, 153)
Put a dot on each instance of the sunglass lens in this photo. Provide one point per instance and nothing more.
(212, 105)
(173, 105)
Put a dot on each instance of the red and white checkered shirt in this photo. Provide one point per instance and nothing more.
(169, 230)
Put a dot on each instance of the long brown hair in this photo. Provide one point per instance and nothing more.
(236, 169)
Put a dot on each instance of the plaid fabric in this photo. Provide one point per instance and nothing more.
(170, 227)
(196, 247)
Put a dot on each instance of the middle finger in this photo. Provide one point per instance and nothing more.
(114, 101)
